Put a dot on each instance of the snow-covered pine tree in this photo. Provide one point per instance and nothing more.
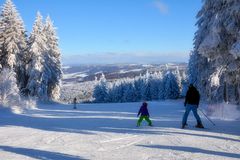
(138, 83)
(145, 88)
(129, 91)
(199, 69)
(52, 65)
(217, 39)
(36, 85)
(171, 87)
(100, 92)
(232, 27)
(184, 84)
(155, 83)
(178, 78)
(205, 41)
(119, 91)
(9, 92)
(13, 42)
(111, 92)
(161, 90)
(193, 70)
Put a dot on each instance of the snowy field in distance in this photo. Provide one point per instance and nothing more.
(74, 75)
(109, 132)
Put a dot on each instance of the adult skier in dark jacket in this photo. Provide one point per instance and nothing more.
(191, 103)
(75, 103)
(144, 114)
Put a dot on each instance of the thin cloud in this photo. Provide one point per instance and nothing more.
(162, 7)
(115, 58)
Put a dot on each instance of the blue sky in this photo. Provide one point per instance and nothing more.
(89, 29)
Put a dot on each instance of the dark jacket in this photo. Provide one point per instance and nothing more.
(143, 110)
(192, 97)
(74, 100)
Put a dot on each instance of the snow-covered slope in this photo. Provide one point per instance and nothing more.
(109, 132)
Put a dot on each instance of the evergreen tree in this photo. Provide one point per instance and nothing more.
(145, 88)
(178, 77)
(100, 92)
(138, 83)
(52, 65)
(155, 83)
(13, 42)
(193, 70)
(37, 86)
(111, 93)
(184, 84)
(217, 39)
(36, 61)
(170, 86)
(9, 91)
(119, 91)
(161, 90)
(128, 92)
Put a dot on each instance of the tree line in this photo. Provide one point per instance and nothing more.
(151, 86)
(34, 59)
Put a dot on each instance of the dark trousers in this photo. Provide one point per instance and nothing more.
(189, 108)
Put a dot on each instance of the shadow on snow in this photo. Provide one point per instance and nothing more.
(193, 150)
(91, 120)
(40, 154)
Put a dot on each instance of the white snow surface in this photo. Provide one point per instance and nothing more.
(74, 75)
(127, 71)
(66, 67)
(109, 132)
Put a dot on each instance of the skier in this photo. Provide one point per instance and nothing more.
(191, 104)
(144, 114)
(75, 103)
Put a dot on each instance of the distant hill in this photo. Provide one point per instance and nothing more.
(84, 73)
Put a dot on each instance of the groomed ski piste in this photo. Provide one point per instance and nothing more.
(109, 132)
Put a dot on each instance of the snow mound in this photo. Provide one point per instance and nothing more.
(223, 111)
(18, 107)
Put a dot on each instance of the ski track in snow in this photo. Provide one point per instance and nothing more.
(118, 139)
(108, 132)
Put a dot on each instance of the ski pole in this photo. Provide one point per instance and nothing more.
(207, 117)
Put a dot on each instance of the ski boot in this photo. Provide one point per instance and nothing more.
(184, 125)
(199, 125)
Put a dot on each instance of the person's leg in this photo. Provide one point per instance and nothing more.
(185, 116)
(148, 120)
(140, 120)
(194, 109)
(199, 122)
